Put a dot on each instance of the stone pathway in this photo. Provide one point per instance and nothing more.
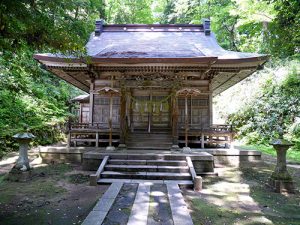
(120, 211)
(99, 212)
(143, 204)
(159, 210)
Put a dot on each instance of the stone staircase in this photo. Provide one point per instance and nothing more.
(137, 167)
(156, 140)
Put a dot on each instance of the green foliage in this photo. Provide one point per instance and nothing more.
(30, 96)
(128, 11)
(275, 110)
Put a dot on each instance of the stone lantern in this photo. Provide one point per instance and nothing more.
(281, 180)
(23, 139)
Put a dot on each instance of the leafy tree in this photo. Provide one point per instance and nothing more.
(274, 110)
(30, 96)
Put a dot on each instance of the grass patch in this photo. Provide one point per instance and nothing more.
(43, 182)
(205, 213)
(57, 170)
(287, 208)
(78, 178)
(45, 188)
(292, 154)
(274, 208)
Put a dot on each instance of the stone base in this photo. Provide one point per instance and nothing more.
(186, 150)
(110, 148)
(17, 175)
(282, 186)
(122, 147)
(175, 148)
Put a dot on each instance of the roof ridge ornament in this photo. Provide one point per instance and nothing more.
(99, 27)
(206, 26)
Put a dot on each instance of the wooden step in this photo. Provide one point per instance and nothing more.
(147, 168)
(148, 162)
(146, 175)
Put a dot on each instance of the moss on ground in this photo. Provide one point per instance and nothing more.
(78, 178)
(209, 214)
(11, 190)
(49, 197)
(268, 207)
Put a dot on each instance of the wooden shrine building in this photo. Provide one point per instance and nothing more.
(151, 84)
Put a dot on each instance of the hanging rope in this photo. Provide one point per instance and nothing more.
(154, 106)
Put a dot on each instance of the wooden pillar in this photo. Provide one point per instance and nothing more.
(150, 114)
(91, 110)
(110, 119)
(186, 121)
(69, 140)
(123, 118)
(97, 139)
(175, 121)
(131, 114)
(80, 112)
(210, 104)
(202, 139)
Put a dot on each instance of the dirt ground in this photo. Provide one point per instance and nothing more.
(239, 195)
(60, 194)
(55, 194)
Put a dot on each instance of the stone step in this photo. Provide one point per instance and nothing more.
(155, 157)
(148, 145)
(158, 135)
(149, 140)
(181, 183)
(151, 135)
(147, 168)
(148, 162)
(146, 175)
(152, 132)
(157, 148)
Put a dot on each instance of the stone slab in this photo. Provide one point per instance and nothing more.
(147, 181)
(139, 212)
(178, 206)
(110, 181)
(94, 218)
(113, 190)
(97, 215)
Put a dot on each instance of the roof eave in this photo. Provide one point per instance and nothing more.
(124, 60)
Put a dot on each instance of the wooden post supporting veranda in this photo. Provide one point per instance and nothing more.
(123, 127)
(111, 92)
(186, 121)
(174, 123)
(110, 119)
(186, 92)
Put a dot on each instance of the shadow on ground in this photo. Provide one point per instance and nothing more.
(55, 194)
(240, 196)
